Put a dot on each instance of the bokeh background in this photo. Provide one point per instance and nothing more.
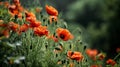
(99, 20)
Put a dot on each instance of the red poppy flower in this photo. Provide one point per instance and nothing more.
(75, 55)
(29, 14)
(16, 2)
(12, 7)
(5, 33)
(51, 10)
(1, 3)
(64, 34)
(30, 17)
(3, 25)
(23, 28)
(7, 27)
(13, 26)
(101, 56)
(13, 10)
(20, 8)
(35, 24)
(92, 53)
(41, 30)
(53, 19)
(6, 4)
(111, 62)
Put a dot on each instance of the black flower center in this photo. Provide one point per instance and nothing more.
(62, 36)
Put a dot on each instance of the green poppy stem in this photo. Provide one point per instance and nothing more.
(116, 56)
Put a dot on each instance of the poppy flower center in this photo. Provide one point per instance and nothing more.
(62, 36)
(72, 53)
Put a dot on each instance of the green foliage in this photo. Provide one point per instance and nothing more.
(29, 50)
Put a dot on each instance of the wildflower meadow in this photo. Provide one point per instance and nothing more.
(31, 38)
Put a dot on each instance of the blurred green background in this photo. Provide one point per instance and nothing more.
(99, 20)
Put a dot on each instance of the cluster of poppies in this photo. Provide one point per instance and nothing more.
(93, 54)
(16, 10)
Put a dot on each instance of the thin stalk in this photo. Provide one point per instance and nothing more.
(116, 56)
